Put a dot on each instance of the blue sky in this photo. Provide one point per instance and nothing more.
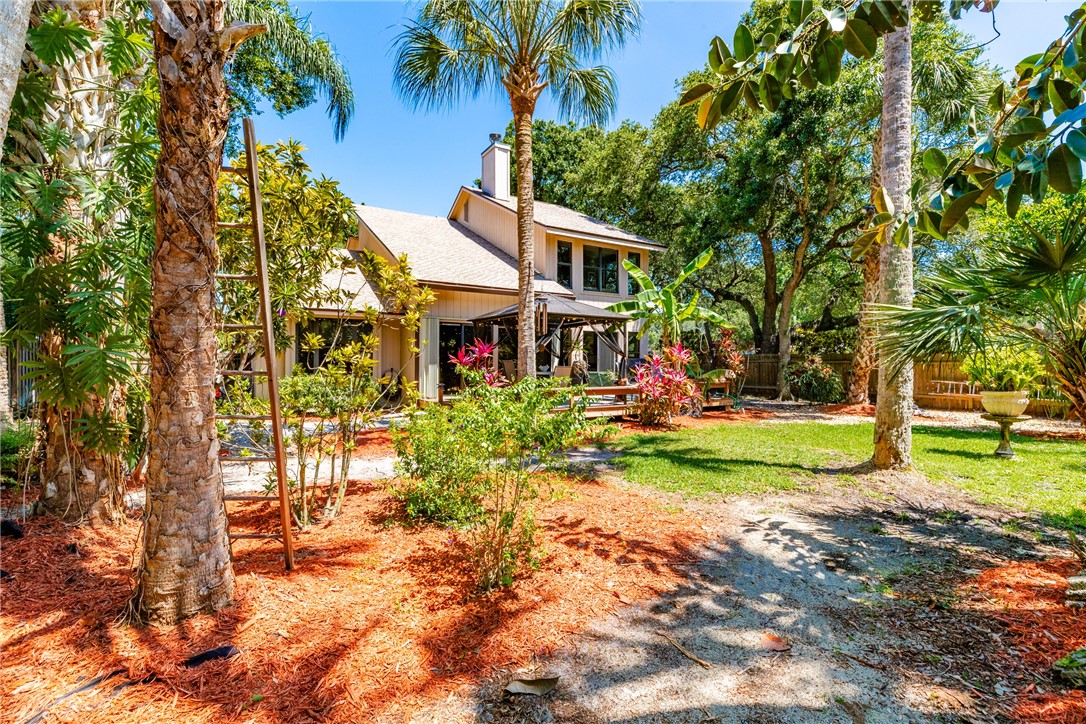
(399, 158)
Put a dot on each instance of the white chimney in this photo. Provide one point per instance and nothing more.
(496, 169)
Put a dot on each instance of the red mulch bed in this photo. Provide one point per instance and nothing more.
(709, 418)
(378, 618)
(861, 410)
(1029, 598)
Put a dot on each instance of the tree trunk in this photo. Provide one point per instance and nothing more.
(14, 20)
(784, 343)
(866, 356)
(186, 564)
(525, 241)
(770, 342)
(893, 415)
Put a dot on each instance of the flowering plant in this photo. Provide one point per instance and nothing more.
(474, 361)
(664, 389)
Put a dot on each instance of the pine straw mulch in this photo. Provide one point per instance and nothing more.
(1028, 598)
(378, 618)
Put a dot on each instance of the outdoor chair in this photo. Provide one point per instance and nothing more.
(509, 368)
(563, 370)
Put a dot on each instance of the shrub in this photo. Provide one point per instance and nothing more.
(814, 380)
(1005, 369)
(664, 389)
(17, 444)
(474, 462)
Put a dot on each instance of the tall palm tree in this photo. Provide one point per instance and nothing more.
(186, 567)
(893, 411)
(458, 48)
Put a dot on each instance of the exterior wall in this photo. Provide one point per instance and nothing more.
(367, 240)
(498, 225)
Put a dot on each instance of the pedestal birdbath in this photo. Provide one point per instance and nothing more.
(1005, 421)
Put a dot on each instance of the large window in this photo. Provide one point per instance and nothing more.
(635, 259)
(320, 335)
(565, 264)
(600, 269)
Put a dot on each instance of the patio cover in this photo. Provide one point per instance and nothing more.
(569, 312)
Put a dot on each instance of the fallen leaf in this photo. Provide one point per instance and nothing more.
(536, 687)
(773, 642)
(621, 598)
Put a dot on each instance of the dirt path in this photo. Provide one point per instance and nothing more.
(859, 592)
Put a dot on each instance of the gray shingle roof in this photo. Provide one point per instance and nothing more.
(347, 276)
(445, 252)
(560, 218)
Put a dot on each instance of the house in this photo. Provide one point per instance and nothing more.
(468, 258)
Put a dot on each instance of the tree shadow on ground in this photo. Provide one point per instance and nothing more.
(867, 597)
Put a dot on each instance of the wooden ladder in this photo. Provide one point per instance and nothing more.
(279, 460)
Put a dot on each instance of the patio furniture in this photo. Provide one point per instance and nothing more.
(509, 368)
(563, 370)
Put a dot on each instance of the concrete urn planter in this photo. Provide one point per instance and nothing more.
(1004, 404)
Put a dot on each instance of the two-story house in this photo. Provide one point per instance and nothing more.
(468, 258)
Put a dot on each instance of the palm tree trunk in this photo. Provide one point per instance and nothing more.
(186, 564)
(893, 414)
(865, 358)
(14, 20)
(525, 243)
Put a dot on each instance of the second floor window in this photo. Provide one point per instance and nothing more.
(600, 269)
(565, 264)
(631, 285)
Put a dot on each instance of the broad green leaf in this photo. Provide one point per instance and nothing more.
(883, 203)
(1076, 141)
(1070, 56)
(718, 53)
(934, 161)
(1038, 184)
(695, 93)
(783, 66)
(798, 10)
(901, 234)
(1063, 95)
(750, 95)
(743, 42)
(836, 18)
(865, 241)
(1064, 170)
(860, 39)
(729, 99)
(770, 92)
(1072, 115)
(957, 209)
(1014, 195)
(59, 38)
(697, 263)
(827, 61)
(1024, 130)
(704, 111)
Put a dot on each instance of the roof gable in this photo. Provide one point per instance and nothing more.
(444, 252)
(559, 218)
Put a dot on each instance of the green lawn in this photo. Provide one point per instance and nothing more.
(1047, 476)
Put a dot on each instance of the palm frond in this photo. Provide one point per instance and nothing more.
(309, 56)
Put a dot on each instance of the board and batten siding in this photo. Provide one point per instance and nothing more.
(498, 225)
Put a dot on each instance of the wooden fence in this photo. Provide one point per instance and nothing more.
(930, 384)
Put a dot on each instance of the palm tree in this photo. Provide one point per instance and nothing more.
(185, 567)
(894, 407)
(14, 20)
(457, 48)
(291, 45)
(661, 306)
(1029, 291)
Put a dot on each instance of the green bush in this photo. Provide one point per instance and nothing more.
(814, 380)
(473, 463)
(1005, 369)
(16, 449)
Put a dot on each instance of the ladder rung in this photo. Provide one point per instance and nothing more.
(240, 327)
(239, 277)
(235, 536)
(235, 169)
(234, 225)
(243, 417)
(242, 373)
(246, 459)
(252, 498)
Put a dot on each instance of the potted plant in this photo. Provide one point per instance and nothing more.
(1006, 377)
